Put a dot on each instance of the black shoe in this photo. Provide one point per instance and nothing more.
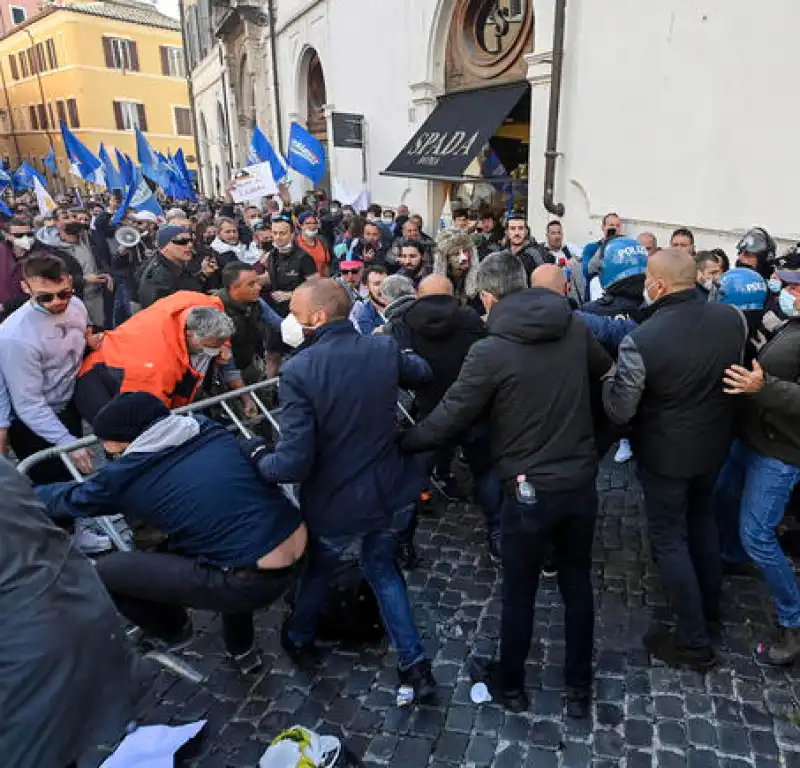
(578, 702)
(783, 650)
(549, 569)
(495, 550)
(662, 645)
(302, 655)
(738, 569)
(448, 486)
(407, 558)
(417, 684)
(488, 673)
(248, 662)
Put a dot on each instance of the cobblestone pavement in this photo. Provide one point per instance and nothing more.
(644, 715)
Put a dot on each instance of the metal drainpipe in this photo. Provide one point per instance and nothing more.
(192, 107)
(275, 85)
(551, 153)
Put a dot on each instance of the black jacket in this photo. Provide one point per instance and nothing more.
(668, 384)
(533, 255)
(533, 373)
(770, 419)
(161, 278)
(288, 271)
(248, 340)
(441, 332)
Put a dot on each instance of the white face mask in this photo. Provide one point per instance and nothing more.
(647, 298)
(787, 304)
(311, 233)
(256, 223)
(210, 351)
(292, 331)
(24, 243)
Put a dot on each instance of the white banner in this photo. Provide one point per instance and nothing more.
(252, 183)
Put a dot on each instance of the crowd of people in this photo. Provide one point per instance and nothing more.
(525, 361)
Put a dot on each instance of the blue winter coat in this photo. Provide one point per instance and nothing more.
(337, 438)
(194, 485)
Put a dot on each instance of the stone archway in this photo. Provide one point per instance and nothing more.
(312, 96)
(224, 142)
(204, 150)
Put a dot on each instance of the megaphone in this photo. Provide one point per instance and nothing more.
(128, 237)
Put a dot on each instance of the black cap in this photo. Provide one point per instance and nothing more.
(128, 415)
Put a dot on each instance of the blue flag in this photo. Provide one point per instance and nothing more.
(152, 167)
(78, 199)
(125, 165)
(113, 178)
(50, 162)
(24, 175)
(5, 178)
(140, 197)
(261, 151)
(306, 154)
(180, 162)
(83, 162)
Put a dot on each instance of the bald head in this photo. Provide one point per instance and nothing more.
(320, 301)
(435, 285)
(674, 267)
(550, 276)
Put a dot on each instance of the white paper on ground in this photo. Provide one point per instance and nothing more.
(152, 746)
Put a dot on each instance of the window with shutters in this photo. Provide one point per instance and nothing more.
(51, 113)
(33, 118)
(172, 61)
(183, 121)
(41, 62)
(129, 115)
(23, 64)
(72, 109)
(42, 110)
(52, 58)
(12, 63)
(30, 54)
(17, 14)
(121, 54)
(62, 111)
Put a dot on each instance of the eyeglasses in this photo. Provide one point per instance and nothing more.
(183, 241)
(350, 271)
(49, 298)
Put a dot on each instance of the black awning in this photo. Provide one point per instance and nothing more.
(455, 132)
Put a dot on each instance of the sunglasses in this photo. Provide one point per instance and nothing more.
(350, 271)
(183, 241)
(49, 298)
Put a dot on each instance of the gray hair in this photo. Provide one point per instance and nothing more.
(501, 273)
(209, 323)
(395, 286)
(175, 213)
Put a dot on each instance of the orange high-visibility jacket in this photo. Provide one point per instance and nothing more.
(149, 351)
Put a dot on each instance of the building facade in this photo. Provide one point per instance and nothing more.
(661, 115)
(13, 12)
(101, 67)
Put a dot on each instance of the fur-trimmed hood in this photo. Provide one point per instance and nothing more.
(451, 246)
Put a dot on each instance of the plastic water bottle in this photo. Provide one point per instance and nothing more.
(526, 494)
(405, 696)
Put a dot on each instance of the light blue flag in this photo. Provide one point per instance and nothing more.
(180, 162)
(125, 165)
(83, 162)
(5, 178)
(24, 175)
(152, 166)
(78, 199)
(50, 162)
(261, 151)
(113, 178)
(306, 154)
(140, 197)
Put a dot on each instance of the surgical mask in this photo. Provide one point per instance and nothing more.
(387, 219)
(312, 233)
(39, 308)
(647, 299)
(774, 284)
(211, 351)
(255, 223)
(292, 331)
(708, 284)
(24, 243)
(284, 248)
(335, 210)
(787, 304)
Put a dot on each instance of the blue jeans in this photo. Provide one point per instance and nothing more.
(727, 502)
(766, 486)
(123, 295)
(376, 550)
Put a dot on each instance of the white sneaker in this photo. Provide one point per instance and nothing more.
(624, 452)
(91, 543)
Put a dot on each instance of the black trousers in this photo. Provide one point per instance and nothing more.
(567, 520)
(24, 442)
(684, 542)
(154, 589)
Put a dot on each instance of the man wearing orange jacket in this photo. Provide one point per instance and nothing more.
(166, 350)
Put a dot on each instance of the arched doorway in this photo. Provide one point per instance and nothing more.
(312, 100)
(224, 146)
(205, 156)
(245, 100)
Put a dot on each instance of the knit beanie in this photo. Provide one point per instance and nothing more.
(127, 416)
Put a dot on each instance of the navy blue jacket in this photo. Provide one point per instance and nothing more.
(203, 494)
(337, 439)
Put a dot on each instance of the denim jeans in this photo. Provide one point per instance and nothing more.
(727, 501)
(488, 486)
(765, 486)
(684, 543)
(153, 590)
(376, 551)
(123, 295)
(567, 520)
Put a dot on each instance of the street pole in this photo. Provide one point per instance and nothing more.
(192, 106)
